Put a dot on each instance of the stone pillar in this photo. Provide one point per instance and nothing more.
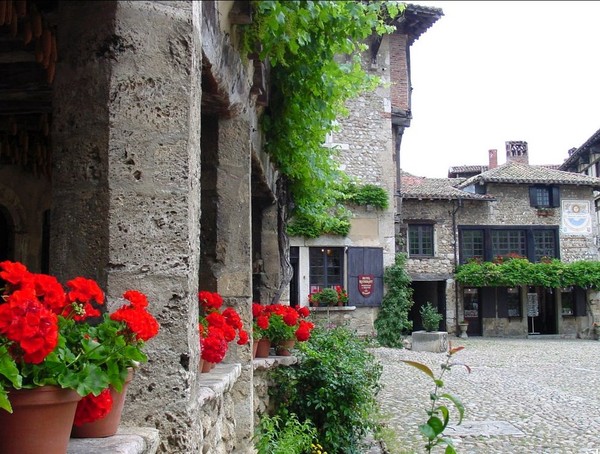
(233, 267)
(270, 255)
(126, 194)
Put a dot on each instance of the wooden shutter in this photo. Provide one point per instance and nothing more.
(580, 302)
(555, 201)
(488, 302)
(502, 302)
(365, 260)
(533, 196)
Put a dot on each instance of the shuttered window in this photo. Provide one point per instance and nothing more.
(365, 261)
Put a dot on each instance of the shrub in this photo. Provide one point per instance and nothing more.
(392, 321)
(284, 434)
(431, 317)
(334, 385)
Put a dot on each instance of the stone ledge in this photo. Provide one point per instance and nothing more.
(218, 381)
(332, 308)
(273, 361)
(128, 440)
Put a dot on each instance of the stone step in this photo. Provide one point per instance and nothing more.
(127, 440)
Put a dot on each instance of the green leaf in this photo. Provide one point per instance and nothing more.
(421, 367)
(8, 368)
(436, 425)
(4, 402)
(427, 431)
(457, 403)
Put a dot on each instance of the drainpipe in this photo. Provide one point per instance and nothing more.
(459, 205)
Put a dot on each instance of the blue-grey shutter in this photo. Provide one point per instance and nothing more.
(555, 202)
(365, 260)
(580, 302)
(533, 196)
(502, 302)
(488, 302)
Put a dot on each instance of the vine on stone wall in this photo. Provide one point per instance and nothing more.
(314, 50)
(547, 273)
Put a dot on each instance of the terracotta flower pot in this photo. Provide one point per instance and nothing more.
(264, 346)
(41, 421)
(107, 426)
(207, 366)
(283, 348)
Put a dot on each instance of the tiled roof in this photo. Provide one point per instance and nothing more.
(469, 168)
(413, 187)
(518, 173)
(417, 19)
(571, 161)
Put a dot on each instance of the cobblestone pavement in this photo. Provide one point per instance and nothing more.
(522, 396)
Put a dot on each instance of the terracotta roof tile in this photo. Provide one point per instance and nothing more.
(518, 173)
(436, 188)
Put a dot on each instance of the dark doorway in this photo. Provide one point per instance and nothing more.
(433, 292)
(541, 311)
(472, 310)
(6, 235)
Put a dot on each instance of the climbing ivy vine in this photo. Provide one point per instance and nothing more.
(314, 50)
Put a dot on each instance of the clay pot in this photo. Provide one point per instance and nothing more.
(207, 366)
(107, 426)
(264, 346)
(283, 348)
(41, 420)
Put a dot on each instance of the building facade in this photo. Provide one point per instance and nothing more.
(512, 210)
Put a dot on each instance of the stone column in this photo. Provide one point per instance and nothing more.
(233, 268)
(126, 195)
(270, 255)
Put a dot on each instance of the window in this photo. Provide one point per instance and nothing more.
(567, 298)
(420, 239)
(489, 243)
(326, 267)
(544, 244)
(472, 245)
(513, 301)
(508, 242)
(544, 196)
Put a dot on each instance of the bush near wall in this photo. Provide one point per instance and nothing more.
(334, 385)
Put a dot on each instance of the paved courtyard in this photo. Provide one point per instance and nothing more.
(522, 396)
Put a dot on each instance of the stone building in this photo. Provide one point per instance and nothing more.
(369, 140)
(131, 153)
(515, 208)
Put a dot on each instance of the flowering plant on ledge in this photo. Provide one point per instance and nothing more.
(280, 322)
(329, 296)
(218, 329)
(49, 336)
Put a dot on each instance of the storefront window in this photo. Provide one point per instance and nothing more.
(514, 302)
(568, 300)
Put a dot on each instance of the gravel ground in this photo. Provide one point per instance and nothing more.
(522, 396)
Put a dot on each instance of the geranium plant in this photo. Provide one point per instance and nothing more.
(218, 328)
(329, 296)
(280, 322)
(47, 338)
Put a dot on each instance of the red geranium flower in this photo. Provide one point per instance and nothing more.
(137, 299)
(23, 319)
(92, 408)
(140, 322)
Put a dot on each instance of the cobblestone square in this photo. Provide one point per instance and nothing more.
(538, 395)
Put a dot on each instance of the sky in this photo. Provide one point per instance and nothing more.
(490, 72)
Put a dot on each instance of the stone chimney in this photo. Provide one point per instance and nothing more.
(493, 159)
(516, 151)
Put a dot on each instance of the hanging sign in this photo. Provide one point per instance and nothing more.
(365, 284)
(533, 309)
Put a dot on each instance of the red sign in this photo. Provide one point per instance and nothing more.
(365, 284)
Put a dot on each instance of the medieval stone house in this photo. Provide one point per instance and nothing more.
(516, 208)
(369, 140)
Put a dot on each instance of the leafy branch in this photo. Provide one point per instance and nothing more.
(438, 412)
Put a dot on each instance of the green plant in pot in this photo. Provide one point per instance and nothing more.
(327, 297)
(431, 317)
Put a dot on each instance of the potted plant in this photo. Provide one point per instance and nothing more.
(217, 329)
(329, 296)
(430, 317)
(280, 323)
(54, 341)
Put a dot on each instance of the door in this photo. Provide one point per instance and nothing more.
(472, 310)
(541, 311)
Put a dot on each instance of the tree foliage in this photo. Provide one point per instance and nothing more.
(314, 50)
(392, 321)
